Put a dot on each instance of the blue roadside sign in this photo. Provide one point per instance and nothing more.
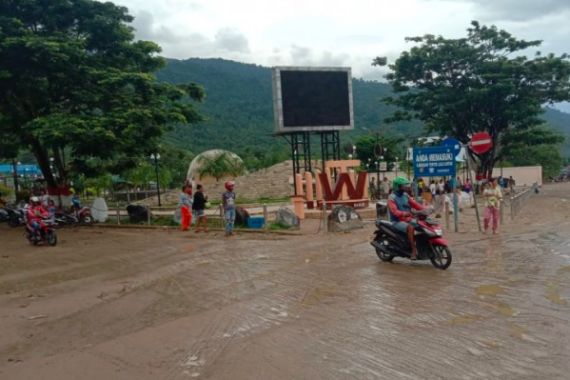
(453, 143)
(436, 161)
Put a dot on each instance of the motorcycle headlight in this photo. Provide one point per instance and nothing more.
(438, 232)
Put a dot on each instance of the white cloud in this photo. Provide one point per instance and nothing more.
(518, 10)
(231, 40)
(332, 32)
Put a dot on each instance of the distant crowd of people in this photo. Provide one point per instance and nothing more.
(436, 193)
(193, 206)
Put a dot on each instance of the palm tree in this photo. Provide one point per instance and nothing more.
(220, 166)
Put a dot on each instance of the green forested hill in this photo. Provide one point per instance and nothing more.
(239, 110)
(560, 121)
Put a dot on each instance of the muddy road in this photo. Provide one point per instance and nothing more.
(118, 304)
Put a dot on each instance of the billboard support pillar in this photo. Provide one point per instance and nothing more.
(300, 149)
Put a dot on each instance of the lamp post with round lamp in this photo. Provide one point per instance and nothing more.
(155, 157)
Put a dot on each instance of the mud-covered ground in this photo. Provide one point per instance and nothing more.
(138, 304)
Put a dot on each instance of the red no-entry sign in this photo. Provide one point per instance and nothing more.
(481, 142)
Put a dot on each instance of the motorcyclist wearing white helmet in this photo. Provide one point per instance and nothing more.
(35, 213)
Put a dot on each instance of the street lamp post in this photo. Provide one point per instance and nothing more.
(155, 158)
(377, 170)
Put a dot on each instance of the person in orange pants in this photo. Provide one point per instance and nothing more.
(185, 204)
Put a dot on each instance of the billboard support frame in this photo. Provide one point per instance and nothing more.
(300, 144)
(330, 147)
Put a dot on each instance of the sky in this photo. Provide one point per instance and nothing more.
(333, 33)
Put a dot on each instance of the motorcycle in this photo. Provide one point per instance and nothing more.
(64, 219)
(4, 215)
(390, 242)
(16, 216)
(74, 217)
(46, 233)
(84, 215)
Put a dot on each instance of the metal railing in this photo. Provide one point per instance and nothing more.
(517, 201)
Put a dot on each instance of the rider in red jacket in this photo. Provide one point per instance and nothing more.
(400, 205)
(36, 212)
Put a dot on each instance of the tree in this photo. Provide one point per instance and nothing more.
(78, 91)
(535, 146)
(144, 174)
(8, 147)
(176, 161)
(365, 151)
(478, 83)
(220, 166)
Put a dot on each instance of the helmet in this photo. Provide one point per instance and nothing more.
(399, 181)
(35, 199)
(229, 185)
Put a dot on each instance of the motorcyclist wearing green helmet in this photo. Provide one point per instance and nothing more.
(400, 205)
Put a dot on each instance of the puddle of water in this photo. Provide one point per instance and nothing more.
(464, 319)
(491, 343)
(317, 295)
(517, 331)
(489, 290)
(553, 296)
(506, 310)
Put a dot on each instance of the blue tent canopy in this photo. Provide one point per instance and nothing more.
(22, 169)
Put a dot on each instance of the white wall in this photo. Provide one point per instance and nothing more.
(523, 175)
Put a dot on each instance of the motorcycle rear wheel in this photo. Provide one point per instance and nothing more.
(51, 238)
(386, 257)
(440, 257)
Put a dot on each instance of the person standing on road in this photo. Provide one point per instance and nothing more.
(421, 185)
(198, 209)
(383, 188)
(441, 187)
(493, 198)
(185, 204)
(426, 196)
(432, 189)
(44, 198)
(372, 188)
(229, 203)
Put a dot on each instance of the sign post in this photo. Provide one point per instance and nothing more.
(470, 176)
(456, 147)
(480, 143)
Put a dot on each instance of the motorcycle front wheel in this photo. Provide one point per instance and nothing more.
(440, 257)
